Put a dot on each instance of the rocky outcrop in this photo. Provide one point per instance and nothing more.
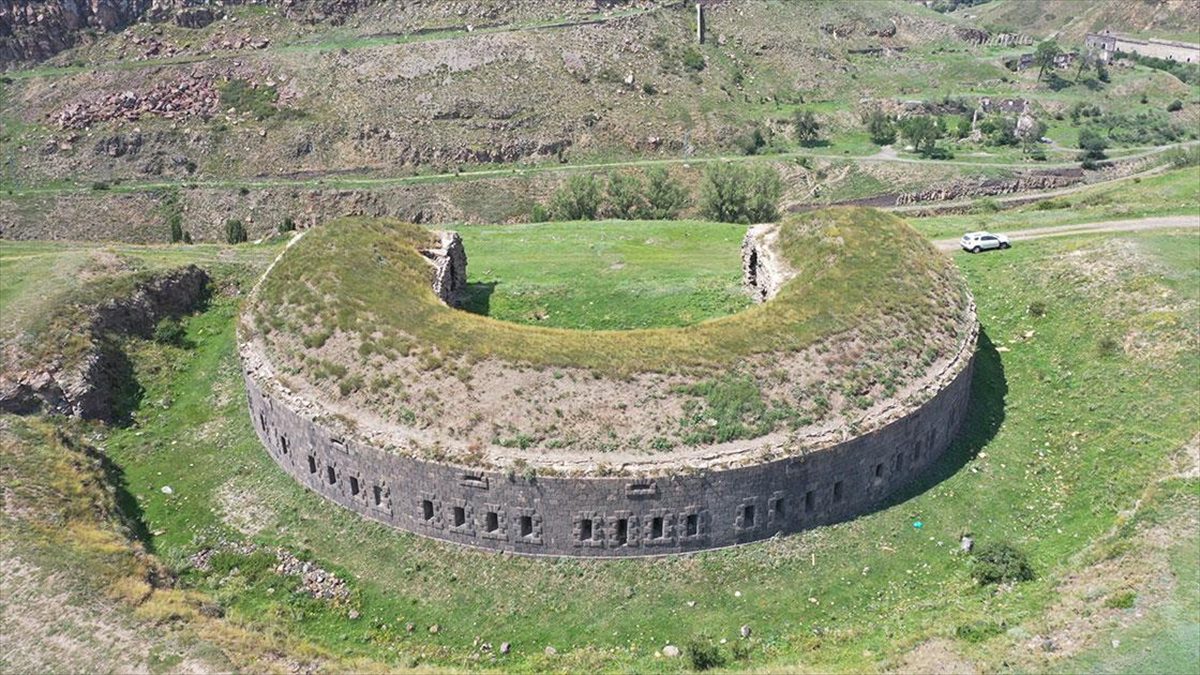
(183, 97)
(991, 188)
(449, 261)
(90, 387)
(32, 31)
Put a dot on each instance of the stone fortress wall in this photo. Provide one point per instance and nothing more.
(605, 516)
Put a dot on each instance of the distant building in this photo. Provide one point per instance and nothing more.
(1107, 43)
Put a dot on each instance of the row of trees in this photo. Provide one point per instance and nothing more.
(729, 192)
(627, 196)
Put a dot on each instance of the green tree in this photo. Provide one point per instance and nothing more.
(880, 127)
(1093, 146)
(625, 200)
(807, 128)
(665, 197)
(1101, 71)
(1044, 56)
(923, 131)
(733, 193)
(235, 231)
(578, 199)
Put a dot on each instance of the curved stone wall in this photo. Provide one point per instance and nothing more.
(609, 517)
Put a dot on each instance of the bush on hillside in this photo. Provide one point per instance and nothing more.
(1092, 144)
(170, 331)
(577, 199)
(235, 231)
(1000, 562)
(665, 197)
(734, 193)
(703, 654)
(624, 196)
(808, 129)
(175, 221)
(288, 225)
(880, 127)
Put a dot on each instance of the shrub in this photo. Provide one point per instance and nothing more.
(692, 59)
(539, 214)
(665, 197)
(985, 205)
(806, 126)
(998, 562)
(578, 199)
(170, 331)
(187, 237)
(880, 127)
(1092, 144)
(175, 220)
(1037, 308)
(649, 89)
(750, 142)
(235, 231)
(703, 654)
(733, 193)
(625, 200)
(288, 225)
(1175, 105)
(242, 96)
(100, 185)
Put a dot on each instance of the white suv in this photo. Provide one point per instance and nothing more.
(982, 241)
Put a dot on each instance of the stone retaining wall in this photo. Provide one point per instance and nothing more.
(611, 517)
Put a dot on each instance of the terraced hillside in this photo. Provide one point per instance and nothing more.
(268, 112)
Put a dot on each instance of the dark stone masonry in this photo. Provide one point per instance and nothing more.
(611, 517)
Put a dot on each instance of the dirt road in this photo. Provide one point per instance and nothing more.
(1157, 223)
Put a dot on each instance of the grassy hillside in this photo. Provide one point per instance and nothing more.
(1081, 408)
(1070, 19)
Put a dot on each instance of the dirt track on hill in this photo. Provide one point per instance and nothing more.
(1158, 223)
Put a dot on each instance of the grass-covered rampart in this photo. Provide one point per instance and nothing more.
(853, 266)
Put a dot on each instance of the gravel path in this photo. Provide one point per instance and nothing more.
(1158, 223)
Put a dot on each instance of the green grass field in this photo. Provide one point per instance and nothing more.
(605, 275)
(1081, 399)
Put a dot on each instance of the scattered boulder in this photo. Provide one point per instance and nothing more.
(670, 651)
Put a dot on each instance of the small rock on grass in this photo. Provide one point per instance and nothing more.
(550, 651)
(670, 651)
(745, 631)
(505, 647)
(434, 629)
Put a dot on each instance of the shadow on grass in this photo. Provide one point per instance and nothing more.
(477, 298)
(985, 414)
(129, 512)
(127, 393)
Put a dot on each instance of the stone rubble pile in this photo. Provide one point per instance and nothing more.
(186, 97)
(317, 582)
(148, 47)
